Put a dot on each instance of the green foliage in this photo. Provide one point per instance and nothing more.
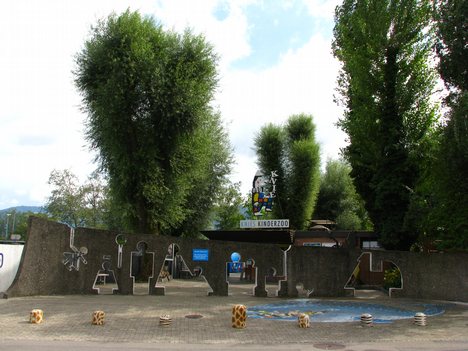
(147, 93)
(440, 202)
(385, 86)
(66, 201)
(451, 207)
(17, 223)
(338, 200)
(292, 151)
(443, 196)
(74, 204)
(392, 278)
(452, 36)
(228, 207)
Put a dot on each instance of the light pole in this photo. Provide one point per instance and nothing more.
(13, 224)
(6, 225)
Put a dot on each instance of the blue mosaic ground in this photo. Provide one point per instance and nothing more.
(340, 311)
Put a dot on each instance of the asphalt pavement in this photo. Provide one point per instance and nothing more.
(132, 323)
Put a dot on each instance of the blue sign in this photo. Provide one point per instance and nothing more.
(200, 255)
(1, 260)
(235, 267)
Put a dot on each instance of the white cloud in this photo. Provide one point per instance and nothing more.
(42, 126)
(322, 8)
(303, 82)
(228, 36)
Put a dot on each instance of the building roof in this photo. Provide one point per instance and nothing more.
(284, 236)
(363, 234)
(252, 236)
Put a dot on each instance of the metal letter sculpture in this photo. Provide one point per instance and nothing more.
(72, 259)
(121, 240)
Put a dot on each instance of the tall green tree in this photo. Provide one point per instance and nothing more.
(385, 85)
(338, 200)
(292, 151)
(451, 17)
(229, 207)
(94, 193)
(66, 201)
(450, 171)
(147, 93)
(78, 205)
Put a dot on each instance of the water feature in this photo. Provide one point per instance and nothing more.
(341, 311)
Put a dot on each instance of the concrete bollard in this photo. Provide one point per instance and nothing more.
(420, 319)
(303, 320)
(367, 320)
(239, 316)
(36, 316)
(98, 318)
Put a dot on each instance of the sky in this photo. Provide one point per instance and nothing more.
(275, 61)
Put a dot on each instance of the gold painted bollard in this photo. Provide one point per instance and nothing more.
(36, 316)
(165, 320)
(239, 316)
(98, 318)
(303, 320)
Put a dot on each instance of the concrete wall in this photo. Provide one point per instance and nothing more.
(43, 273)
(323, 271)
(10, 257)
(440, 276)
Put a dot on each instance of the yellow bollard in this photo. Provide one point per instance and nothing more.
(239, 316)
(36, 316)
(303, 320)
(165, 320)
(98, 318)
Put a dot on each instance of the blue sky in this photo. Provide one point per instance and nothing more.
(275, 61)
(274, 30)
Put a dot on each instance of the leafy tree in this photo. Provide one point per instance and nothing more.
(452, 171)
(338, 200)
(229, 206)
(94, 200)
(75, 204)
(292, 151)
(449, 171)
(17, 219)
(147, 93)
(66, 202)
(21, 223)
(452, 36)
(213, 155)
(385, 85)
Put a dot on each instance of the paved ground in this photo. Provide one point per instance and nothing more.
(132, 322)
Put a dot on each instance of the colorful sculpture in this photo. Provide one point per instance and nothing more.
(263, 192)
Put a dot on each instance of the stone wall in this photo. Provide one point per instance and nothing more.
(326, 271)
(42, 271)
(321, 271)
(440, 276)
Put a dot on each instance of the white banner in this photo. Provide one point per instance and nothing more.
(265, 223)
(10, 258)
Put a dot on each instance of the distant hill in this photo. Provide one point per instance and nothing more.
(21, 209)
